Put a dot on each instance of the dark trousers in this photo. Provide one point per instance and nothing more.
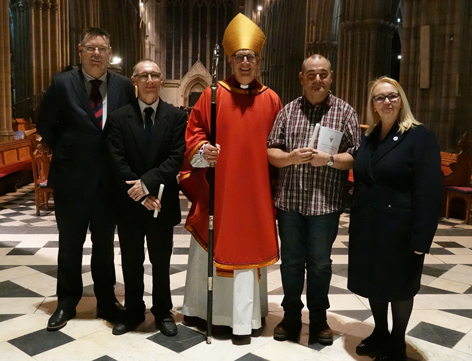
(74, 216)
(159, 243)
(306, 243)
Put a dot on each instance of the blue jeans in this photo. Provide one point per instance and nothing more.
(306, 242)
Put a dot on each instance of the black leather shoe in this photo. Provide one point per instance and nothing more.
(113, 314)
(393, 352)
(373, 345)
(193, 321)
(241, 340)
(167, 326)
(288, 329)
(59, 319)
(122, 327)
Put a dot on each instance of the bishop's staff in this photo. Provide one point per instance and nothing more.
(211, 183)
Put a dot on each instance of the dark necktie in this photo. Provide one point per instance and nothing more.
(148, 126)
(96, 101)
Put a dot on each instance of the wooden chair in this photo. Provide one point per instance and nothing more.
(41, 160)
(464, 193)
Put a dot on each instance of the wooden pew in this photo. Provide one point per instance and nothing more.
(15, 164)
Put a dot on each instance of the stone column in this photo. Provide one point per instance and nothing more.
(283, 23)
(365, 44)
(6, 131)
(322, 24)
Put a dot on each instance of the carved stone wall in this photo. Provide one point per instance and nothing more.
(443, 105)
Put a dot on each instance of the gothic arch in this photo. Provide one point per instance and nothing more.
(196, 80)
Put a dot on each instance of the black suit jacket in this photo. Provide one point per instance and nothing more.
(395, 211)
(156, 163)
(67, 124)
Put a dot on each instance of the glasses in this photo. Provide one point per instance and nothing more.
(240, 57)
(145, 76)
(391, 98)
(91, 49)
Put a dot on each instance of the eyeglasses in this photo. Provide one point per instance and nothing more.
(91, 49)
(240, 57)
(391, 98)
(145, 76)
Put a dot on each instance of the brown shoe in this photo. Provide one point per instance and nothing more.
(321, 333)
(288, 330)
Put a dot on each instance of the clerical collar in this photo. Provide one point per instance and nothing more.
(231, 81)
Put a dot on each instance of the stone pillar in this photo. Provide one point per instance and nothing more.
(365, 44)
(6, 131)
(322, 24)
(283, 23)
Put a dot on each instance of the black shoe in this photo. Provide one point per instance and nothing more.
(288, 330)
(167, 326)
(373, 345)
(321, 333)
(393, 353)
(59, 319)
(391, 356)
(123, 327)
(113, 314)
(241, 340)
(193, 321)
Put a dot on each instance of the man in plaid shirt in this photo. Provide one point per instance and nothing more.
(309, 195)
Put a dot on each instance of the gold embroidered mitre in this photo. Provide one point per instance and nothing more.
(242, 33)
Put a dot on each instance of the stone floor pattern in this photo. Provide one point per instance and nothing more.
(440, 327)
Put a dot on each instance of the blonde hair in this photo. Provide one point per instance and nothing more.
(405, 120)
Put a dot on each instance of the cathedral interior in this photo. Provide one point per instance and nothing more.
(425, 44)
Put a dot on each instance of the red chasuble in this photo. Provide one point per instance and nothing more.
(244, 221)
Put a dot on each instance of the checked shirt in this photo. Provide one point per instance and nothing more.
(305, 189)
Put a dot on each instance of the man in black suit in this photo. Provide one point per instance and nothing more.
(72, 121)
(146, 144)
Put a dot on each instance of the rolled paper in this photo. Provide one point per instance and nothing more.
(159, 196)
(313, 137)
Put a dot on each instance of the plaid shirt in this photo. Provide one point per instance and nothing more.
(303, 188)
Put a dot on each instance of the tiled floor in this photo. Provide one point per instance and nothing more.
(440, 327)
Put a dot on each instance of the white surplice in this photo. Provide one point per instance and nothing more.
(238, 302)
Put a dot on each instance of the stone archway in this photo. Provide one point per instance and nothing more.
(194, 82)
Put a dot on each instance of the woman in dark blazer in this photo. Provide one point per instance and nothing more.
(394, 215)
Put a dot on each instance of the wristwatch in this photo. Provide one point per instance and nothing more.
(331, 161)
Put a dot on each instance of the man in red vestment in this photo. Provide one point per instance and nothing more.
(245, 236)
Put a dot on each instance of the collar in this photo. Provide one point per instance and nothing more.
(307, 105)
(233, 85)
(143, 105)
(88, 77)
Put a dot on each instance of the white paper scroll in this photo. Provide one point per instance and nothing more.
(313, 137)
(159, 196)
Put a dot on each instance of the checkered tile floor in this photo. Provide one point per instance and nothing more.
(440, 327)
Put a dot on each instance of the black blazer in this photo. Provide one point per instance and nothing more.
(157, 163)
(67, 124)
(395, 211)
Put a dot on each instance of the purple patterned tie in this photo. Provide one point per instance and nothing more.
(96, 101)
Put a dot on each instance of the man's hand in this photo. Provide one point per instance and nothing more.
(136, 192)
(319, 159)
(152, 203)
(211, 153)
(301, 155)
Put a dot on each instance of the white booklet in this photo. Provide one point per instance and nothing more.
(328, 139)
